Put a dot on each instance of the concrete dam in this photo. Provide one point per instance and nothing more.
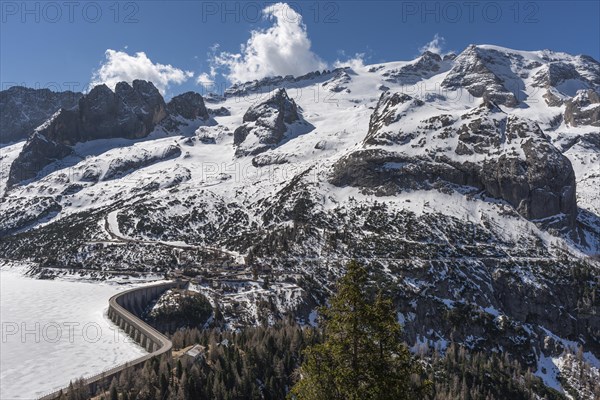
(125, 310)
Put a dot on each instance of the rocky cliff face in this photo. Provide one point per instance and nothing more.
(131, 111)
(265, 124)
(189, 105)
(24, 109)
(427, 65)
(555, 73)
(486, 148)
(579, 71)
(473, 72)
(583, 109)
(184, 110)
(563, 79)
(268, 84)
(38, 152)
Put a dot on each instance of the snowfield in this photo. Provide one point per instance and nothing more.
(56, 331)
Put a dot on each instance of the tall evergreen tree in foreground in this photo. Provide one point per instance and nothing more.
(362, 356)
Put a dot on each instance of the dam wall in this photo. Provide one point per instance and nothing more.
(125, 310)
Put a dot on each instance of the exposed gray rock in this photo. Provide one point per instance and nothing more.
(589, 69)
(263, 160)
(385, 114)
(554, 74)
(91, 174)
(534, 192)
(583, 109)
(321, 145)
(207, 139)
(472, 72)
(427, 65)
(520, 165)
(265, 124)
(24, 109)
(219, 112)
(338, 83)
(36, 154)
(552, 99)
(129, 112)
(212, 134)
(189, 105)
(540, 183)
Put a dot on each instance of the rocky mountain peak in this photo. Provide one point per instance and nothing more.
(23, 109)
(265, 123)
(391, 107)
(146, 88)
(101, 92)
(189, 105)
(128, 112)
(555, 73)
(279, 103)
(185, 110)
(473, 72)
(429, 55)
(425, 66)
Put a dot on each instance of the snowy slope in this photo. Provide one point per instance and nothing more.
(340, 119)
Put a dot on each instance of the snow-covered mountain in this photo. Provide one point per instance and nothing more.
(23, 109)
(469, 183)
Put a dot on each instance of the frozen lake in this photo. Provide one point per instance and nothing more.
(54, 332)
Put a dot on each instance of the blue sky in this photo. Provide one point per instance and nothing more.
(62, 45)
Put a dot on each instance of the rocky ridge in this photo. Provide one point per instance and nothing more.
(130, 112)
(24, 109)
(265, 124)
(516, 160)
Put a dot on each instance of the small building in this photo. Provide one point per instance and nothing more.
(196, 353)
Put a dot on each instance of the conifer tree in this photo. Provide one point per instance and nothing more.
(362, 356)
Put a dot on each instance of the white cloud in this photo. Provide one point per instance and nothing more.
(356, 63)
(435, 46)
(205, 79)
(282, 49)
(120, 66)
